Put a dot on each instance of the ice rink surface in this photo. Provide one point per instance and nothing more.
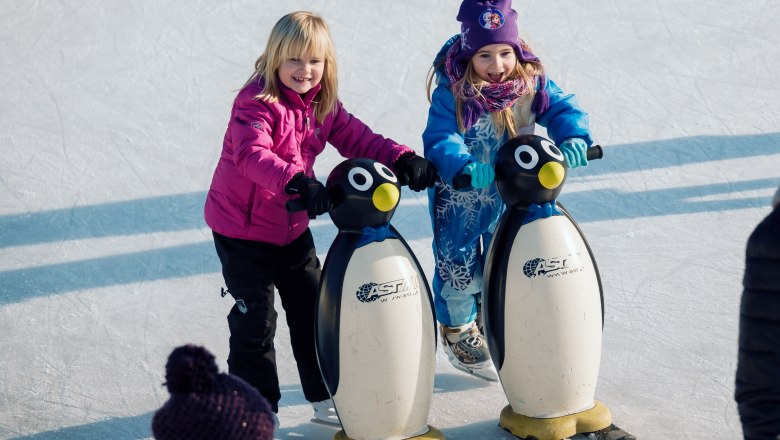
(111, 121)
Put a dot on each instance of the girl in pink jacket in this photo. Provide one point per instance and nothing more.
(280, 122)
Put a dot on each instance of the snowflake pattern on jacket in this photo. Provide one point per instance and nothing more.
(461, 217)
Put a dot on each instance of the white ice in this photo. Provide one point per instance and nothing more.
(111, 120)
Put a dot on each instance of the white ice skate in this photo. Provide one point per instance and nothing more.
(467, 351)
(325, 413)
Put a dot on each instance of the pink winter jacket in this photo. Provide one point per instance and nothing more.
(265, 145)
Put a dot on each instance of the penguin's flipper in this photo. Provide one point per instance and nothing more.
(326, 321)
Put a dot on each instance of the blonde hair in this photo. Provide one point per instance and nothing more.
(298, 35)
(504, 120)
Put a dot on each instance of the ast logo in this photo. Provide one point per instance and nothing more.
(400, 288)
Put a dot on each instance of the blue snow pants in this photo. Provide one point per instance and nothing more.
(463, 226)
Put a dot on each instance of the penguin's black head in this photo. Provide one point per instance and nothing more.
(529, 169)
(364, 193)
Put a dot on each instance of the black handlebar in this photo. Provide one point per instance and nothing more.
(461, 181)
(295, 205)
(594, 152)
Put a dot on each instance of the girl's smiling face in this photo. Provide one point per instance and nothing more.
(302, 74)
(494, 62)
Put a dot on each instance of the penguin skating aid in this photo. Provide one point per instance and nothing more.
(543, 302)
(376, 332)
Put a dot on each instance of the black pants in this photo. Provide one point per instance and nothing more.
(251, 270)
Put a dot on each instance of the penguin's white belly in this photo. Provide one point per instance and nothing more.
(552, 321)
(386, 347)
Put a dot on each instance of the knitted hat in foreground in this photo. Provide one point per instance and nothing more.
(206, 404)
(485, 22)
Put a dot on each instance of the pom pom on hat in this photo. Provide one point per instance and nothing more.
(485, 22)
(190, 369)
(208, 405)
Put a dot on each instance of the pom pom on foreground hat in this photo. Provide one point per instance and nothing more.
(207, 404)
(190, 369)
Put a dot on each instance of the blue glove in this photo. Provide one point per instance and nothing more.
(574, 150)
(481, 174)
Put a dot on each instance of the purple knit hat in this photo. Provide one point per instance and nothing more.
(208, 405)
(486, 22)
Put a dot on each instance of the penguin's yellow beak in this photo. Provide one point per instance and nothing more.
(551, 175)
(385, 197)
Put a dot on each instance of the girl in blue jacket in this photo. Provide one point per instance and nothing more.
(489, 88)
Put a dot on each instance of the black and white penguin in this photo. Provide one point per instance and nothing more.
(542, 300)
(376, 328)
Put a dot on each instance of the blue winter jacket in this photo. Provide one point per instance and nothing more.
(445, 145)
(463, 221)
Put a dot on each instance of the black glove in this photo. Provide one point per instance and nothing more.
(415, 171)
(313, 194)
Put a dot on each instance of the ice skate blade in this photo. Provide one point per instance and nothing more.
(432, 434)
(324, 423)
(594, 420)
(487, 373)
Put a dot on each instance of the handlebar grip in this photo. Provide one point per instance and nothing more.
(594, 152)
(461, 181)
(295, 205)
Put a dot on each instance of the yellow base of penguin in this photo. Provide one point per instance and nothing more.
(555, 428)
(432, 434)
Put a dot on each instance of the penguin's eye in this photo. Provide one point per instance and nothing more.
(552, 150)
(526, 157)
(385, 172)
(360, 179)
